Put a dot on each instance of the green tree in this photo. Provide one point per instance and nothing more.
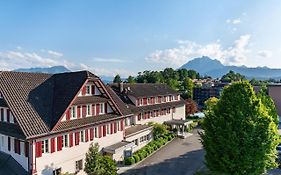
(108, 166)
(231, 76)
(130, 79)
(117, 79)
(188, 86)
(93, 160)
(240, 132)
(158, 129)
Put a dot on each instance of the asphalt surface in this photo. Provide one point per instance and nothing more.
(179, 157)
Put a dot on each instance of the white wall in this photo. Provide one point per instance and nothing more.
(138, 136)
(179, 114)
(65, 159)
(21, 159)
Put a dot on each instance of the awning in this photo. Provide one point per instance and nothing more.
(120, 146)
(178, 122)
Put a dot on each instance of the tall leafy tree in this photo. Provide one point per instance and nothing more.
(117, 79)
(92, 161)
(188, 86)
(130, 79)
(240, 132)
(190, 107)
(231, 76)
(108, 166)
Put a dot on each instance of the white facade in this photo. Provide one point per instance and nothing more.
(66, 158)
(20, 158)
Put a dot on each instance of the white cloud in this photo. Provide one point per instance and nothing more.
(107, 60)
(106, 72)
(265, 53)
(15, 59)
(234, 21)
(54, 53)
(235, 55)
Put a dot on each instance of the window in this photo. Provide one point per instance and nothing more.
(88, 109)
(101, 108)
(78, 165)
(64, 141)
(82, 136)
(148, 100)
(118, 126)
(108, 129)
(96, 132)
(88, 90)
(73, 112)
(136, 142)
(57, 171)
(45, 146)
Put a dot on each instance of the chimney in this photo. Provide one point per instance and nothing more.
(121, 87)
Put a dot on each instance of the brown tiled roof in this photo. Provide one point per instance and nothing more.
(83, 122)
(145, 89)
(11, 129)
(121, 105)
(156, 106)
(133, 130)
(89, 99)
(38, 100)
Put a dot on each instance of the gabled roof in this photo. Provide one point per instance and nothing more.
(144, 89)
(38, 100)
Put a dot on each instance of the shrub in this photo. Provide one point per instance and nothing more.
(137, 158)
(129, 160)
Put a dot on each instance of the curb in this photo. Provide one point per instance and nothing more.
(134, 165)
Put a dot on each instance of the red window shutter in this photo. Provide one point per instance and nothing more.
(111, 128)
(122, 125)
(93, 89)
(77, 138)
(83, 111)
(59, 143)
(91, 134)
(53, 147)
(104, 130)
(26, 149)
(93, 109)
(8, 115)
(159, 99)
(78, 111)
(105, 108)
(98, 109)
(70, 139)
(9, 143)
(38, 149)
(86, 135)
(115, 127)
(84, 90)
(100, 132)
(144, 101)
(68, 114)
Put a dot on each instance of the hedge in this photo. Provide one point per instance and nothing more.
(148, 149)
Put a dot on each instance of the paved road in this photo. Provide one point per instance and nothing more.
(180, 157)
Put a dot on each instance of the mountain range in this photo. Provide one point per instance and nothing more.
(49, 70)
(214, 68)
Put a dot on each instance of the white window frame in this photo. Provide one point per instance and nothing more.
(65, 140)
(108, 129)
(73, 114)
(88, 110)
(101, 108)
(88, 87)
(45, 146)
(96, 132)
(82, 136)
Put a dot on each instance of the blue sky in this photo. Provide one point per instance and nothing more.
(128, 36)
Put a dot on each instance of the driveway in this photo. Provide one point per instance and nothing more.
(179, 157)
